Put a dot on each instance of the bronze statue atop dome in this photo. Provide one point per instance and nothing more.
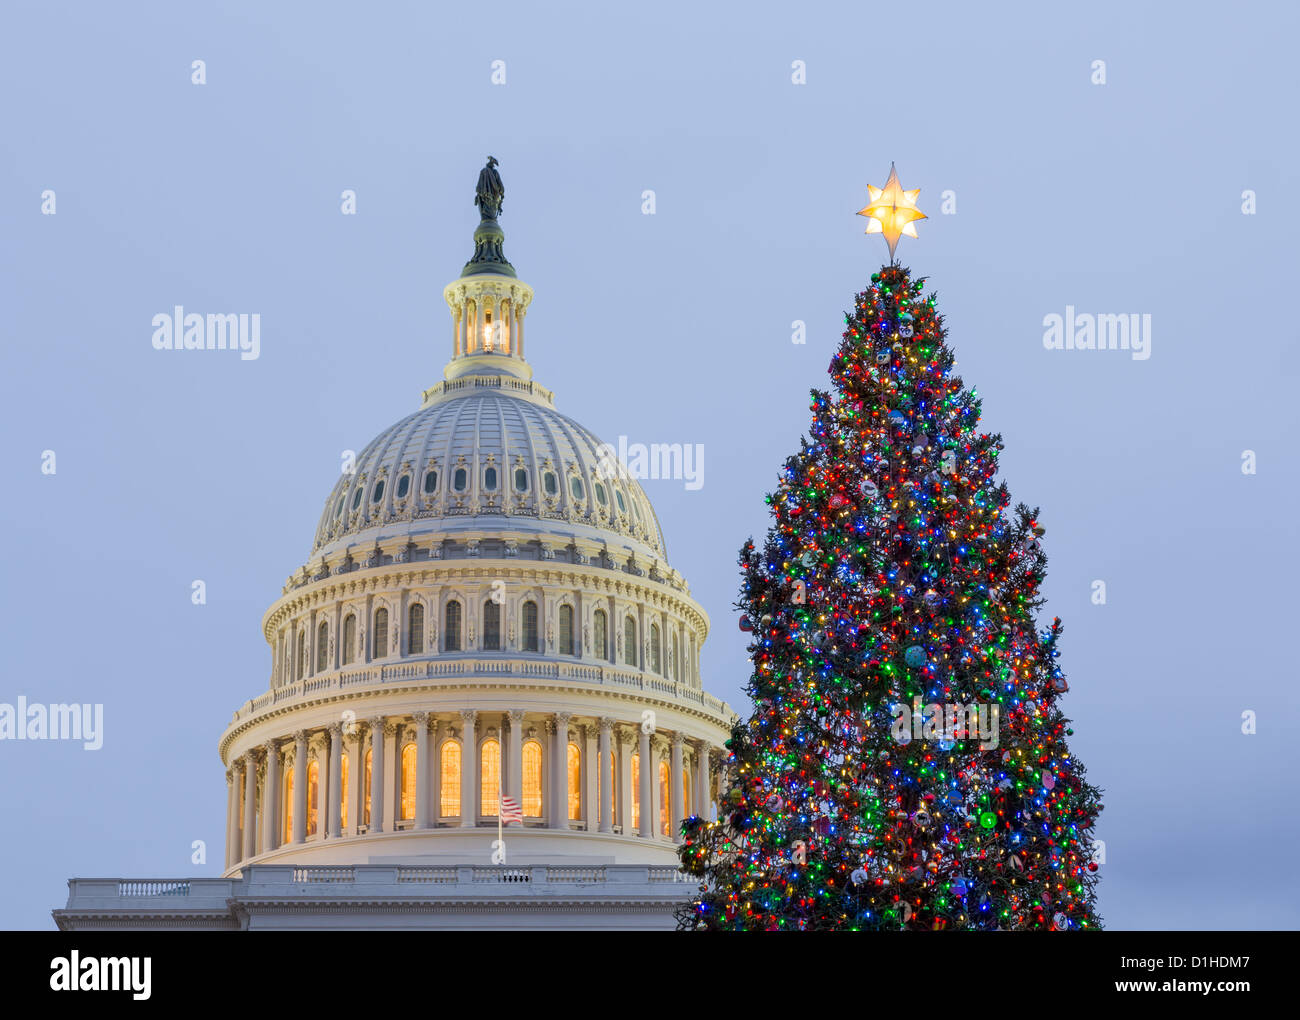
(490, 192)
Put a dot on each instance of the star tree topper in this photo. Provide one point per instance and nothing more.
(891, 211)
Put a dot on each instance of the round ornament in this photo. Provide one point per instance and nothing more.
(746, 624)
(921, 819)
(1060, 922)
(915, 656)
(858, 877)
(882, 357)
(868, 488)
(988, 819)
(773, 803)
(905, 330)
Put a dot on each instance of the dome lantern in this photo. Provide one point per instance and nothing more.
(488, 302)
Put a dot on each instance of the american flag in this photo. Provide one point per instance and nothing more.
(510, 811)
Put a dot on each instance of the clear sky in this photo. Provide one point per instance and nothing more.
(1123, 197)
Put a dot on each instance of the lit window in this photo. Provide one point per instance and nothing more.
(415, 629)
(575, 782)
(576, 487)
(636, 790)
(378, 494)
(313, 795)
(532, 762)
(491, 626)
(365, 788)
(460, 480)
(408, 780)
(430, 482)
(349, 639)
(381, 633)
(343, 795)
(566, 630)
(288, 806)
(530, 626)
(356, 498)
(601, 635)
(629, 642)
(490, 479)
(664, 805)
(451, 627)
(450, 778)
(490, 777)
(654, 647)
(550, 483)
(403, 486)
(521, 480)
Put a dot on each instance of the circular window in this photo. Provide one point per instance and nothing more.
(576, 487)
(521, 479)
(431, 482)
(403, 486)
(460, 480)
(378, 494)
(490, 479)
(549, 482)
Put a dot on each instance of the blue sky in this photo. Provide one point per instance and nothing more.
(1117, 198)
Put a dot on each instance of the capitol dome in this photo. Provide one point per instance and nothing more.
(486, 626)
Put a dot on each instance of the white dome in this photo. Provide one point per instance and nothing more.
(485, 448)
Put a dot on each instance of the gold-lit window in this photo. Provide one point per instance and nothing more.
(532, 762)
(490, 776)
(664, 804)
(636, 790)
(450, 772)
(408, 780)
(288, 807)
(365, 790)
(575, 781)
(313, 791)
(343, 796)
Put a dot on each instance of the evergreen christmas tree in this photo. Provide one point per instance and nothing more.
(906, 765)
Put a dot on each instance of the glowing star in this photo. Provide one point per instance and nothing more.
(892, 211)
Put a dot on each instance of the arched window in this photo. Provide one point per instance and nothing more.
(408, 780)
(629, 642)
(378, 492)
(492, 625)
(380, 640)
(618, 495)
(654, 647)
(288, 807)
(313, 795)
(521, 480)
(636, 790)
(430, 482)
(451, 626)
(601, 635)
(302, 655)
(322, 646)
(577, 488)
(403, 486)
(532, 762)
(665, 806)
(415, 629)
(566, 630)
(365, 788)
(550, 484)
(349, 638)
(601, 497)
(530, 626)
(343, 788)
(489, 777)
(686, 790)
(490, 479)
(450, 774)
(460, 480)
(575, 782)
(356, 497)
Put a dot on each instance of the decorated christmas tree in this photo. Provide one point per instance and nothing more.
(906, 764)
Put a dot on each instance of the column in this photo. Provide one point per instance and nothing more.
(421, 770)
(455, 331)
(377, 774)
(356, 780)
(322, 794)
(590, 763)
(337, 792)
(623, 803)
(250, 805)
(700, 788)
(300, 786)
(607, 798)
(676, 813)
(271, 797)
(232, 816)
(645, 794)
(519, 317)
(435, 775)
(515, 781)
(656, 797)
(560, 819)
(468, 769)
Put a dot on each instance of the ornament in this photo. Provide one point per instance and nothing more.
(988, 819)
(1092, 865)
(921, 819)
(907, 912)
(1016, 863)
(1049, 781)
(858, 877)
(773, 803)
(868, 488)
(1060, 684)
(959, 887)
(905, 330)
(746, 624)
(1060, 922)
(931, 597)
(882, 357)
(838, 501)
(892, 212)
(915, 656)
